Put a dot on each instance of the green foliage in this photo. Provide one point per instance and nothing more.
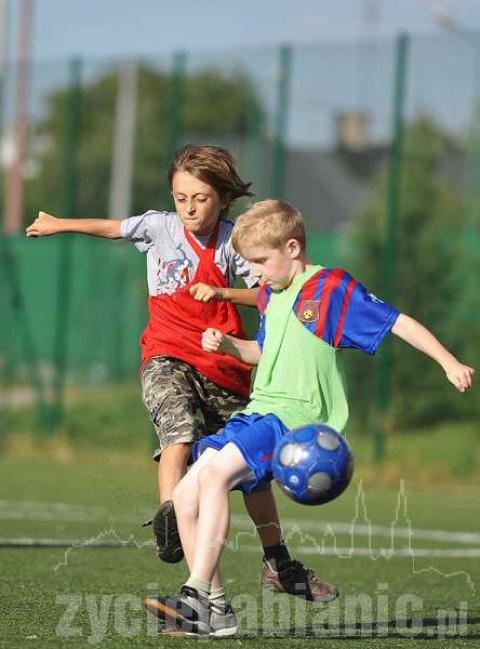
(110, 418)
(427, 266)
(214, 105)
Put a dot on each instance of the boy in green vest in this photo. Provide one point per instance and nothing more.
(309, 313)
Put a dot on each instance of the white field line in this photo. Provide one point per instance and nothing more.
(366, 530)
(341, 552)
(73, 517)
(445, 553)
(25, 542)
(64, 512)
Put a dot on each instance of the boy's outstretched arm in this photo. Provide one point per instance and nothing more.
(420, 337)
(247, 351)
(46, 224)
(204, 293)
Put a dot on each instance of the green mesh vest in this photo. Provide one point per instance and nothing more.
(300, 377)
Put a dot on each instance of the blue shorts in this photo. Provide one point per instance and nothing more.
(256, 437)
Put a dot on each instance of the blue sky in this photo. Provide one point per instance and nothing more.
(336, 75)
(102, 28)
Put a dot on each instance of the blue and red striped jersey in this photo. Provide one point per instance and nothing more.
(263, 296)
(333, 306)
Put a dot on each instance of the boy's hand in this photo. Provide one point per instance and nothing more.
(202, 292)
(461, 376)
(43, 226)
(212, 340)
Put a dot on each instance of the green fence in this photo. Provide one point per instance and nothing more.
(378, 143)
(103, 317)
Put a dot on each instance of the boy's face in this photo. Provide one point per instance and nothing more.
(276, 267)
(197, 204)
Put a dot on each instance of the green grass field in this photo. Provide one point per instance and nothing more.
(406, 572)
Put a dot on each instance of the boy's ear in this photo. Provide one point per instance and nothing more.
(294, 248)
(225, 201)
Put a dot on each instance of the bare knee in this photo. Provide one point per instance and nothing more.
(213, 477)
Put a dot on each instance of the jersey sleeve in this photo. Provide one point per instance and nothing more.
(241, 268)
(144, 229)
(365, 319)
(260, 336)
(263, 297)
(338, 309)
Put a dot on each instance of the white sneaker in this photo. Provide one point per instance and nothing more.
(223, 622)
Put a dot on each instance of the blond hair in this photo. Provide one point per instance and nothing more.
(271, 223)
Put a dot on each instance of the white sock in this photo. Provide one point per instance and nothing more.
(203, 587)
(217, 598)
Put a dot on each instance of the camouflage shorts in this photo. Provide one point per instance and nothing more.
(183, 404)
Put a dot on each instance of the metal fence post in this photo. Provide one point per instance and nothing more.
(388, 263)
(69, 181)
(280, 126)
(175, 121)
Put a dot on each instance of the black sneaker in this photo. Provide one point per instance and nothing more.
(294, 579)
(165, 530)
(187, 613)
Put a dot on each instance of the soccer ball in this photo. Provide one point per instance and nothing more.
(313, 464)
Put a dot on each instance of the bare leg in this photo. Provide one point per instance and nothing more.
(215, 479)
(263, 512)
(186, 502)
(171, 468)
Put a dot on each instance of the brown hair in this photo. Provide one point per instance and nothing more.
(212, 165)
(271, 223)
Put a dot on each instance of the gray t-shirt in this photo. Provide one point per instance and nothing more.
(171, 262)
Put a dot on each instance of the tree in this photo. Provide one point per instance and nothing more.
(215, 106)
(428, 239)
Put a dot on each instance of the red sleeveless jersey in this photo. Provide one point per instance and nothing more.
(177, 321)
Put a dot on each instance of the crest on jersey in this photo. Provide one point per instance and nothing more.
(308, 311)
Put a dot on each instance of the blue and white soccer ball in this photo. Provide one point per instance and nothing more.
(313, 464)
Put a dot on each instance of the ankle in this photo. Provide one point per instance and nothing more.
(276, 555)
(201, 586)
(217, 598)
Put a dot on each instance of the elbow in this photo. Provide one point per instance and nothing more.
(114, 231)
